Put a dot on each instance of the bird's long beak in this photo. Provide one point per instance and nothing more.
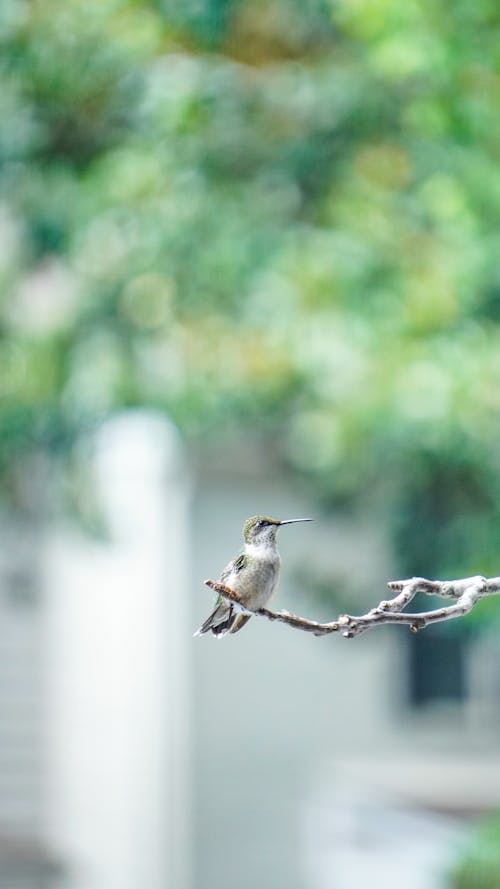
(292, 521)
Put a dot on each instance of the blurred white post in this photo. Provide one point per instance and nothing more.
(117, 771)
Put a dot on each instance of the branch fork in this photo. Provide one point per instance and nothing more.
(465, 592)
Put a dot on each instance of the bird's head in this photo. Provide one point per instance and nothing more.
(261, 530)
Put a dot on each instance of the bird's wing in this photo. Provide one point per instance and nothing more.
(234, 567)
(222, 617)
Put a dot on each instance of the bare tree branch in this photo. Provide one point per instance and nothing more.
(466, 592)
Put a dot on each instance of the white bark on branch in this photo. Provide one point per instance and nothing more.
(466, 592)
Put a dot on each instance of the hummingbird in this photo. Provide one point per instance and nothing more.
(253, 576)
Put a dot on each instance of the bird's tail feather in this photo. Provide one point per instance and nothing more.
(220, 621)
(239, 622)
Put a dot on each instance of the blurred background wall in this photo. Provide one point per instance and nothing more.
(249, 264)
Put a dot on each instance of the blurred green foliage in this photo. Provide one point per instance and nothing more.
(479, 867)
(277, 216)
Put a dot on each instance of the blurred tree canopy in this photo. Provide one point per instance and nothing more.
(271, 214)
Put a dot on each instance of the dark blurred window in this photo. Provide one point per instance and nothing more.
(437, 667)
